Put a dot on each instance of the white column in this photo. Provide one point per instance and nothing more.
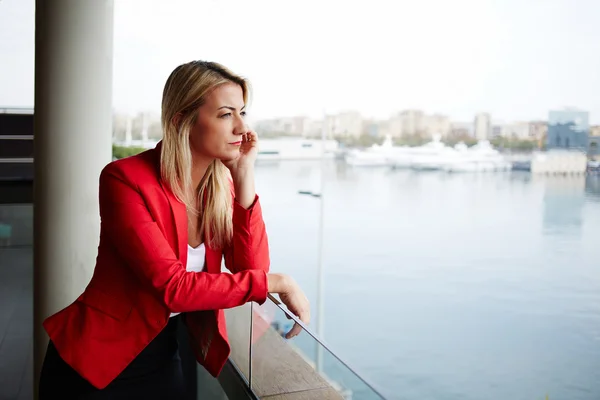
(73, 129)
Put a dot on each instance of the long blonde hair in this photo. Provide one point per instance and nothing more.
(184, 92)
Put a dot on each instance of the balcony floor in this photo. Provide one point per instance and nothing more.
(16, 323)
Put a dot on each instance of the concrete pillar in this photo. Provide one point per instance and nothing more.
(73, 134)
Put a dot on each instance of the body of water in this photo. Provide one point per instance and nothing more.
(441, 286)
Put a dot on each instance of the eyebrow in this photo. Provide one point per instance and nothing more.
(231, 108)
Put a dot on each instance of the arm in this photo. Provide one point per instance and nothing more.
(249, 248)
(129, 227)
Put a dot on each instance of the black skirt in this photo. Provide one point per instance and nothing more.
(155, 374)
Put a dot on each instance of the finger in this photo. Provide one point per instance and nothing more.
(296, 329)
(252, 135)
(304, 317)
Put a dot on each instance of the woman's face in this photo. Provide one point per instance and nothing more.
(217, 133)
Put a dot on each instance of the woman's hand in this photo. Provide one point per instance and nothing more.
(247, 155)
(293, 297)
(242, 169)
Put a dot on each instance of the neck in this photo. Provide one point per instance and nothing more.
(200, 165)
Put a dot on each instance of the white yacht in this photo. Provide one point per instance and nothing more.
(295, 148)
(482, 157)
(431, 156)
(374, 156)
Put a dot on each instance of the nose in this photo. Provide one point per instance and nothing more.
(239, 127)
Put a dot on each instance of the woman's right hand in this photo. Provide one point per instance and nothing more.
(293, 297)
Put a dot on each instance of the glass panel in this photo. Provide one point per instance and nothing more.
(16, 225)
(238, 330)
(301, 367)
(16, 301)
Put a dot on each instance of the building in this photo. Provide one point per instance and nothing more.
(568, 129)
(594, 147)
(461, 129)
(287, 126)
(375, 128)
(483, 126)
(497, 130)
(346, 124)
(516, 130)
(538, 130)
(407, 123)
(436, 124)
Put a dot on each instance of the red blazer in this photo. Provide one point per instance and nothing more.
(140, 276)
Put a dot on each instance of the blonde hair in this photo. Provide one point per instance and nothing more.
(184, 92)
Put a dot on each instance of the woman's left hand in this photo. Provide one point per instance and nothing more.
(242, 169)
(248, 153)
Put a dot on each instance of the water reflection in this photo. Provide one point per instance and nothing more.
(592, 187)
(564, 198)
(482, 286)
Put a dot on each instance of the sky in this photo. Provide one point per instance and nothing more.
(516, 59)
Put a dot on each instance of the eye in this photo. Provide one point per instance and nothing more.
(243, 113)
(225, 115)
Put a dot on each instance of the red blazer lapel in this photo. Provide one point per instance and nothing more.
(179, 215)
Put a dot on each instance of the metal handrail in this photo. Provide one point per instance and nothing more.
(322, 343)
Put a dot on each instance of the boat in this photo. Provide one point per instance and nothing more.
(482, 157)
(373, 156)
(431, 156)
(296, 148)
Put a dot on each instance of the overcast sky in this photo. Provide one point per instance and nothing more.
(513, 58)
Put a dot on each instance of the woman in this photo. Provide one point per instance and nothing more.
(168, 218)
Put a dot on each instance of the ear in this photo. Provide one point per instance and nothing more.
(176, 120)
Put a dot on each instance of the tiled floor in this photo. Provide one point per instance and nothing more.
(16, 323)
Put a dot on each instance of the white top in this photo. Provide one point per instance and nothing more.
(195, 261)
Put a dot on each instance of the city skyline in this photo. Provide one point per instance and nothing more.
(426, 112)
(439, 59)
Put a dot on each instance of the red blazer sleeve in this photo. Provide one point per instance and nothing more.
(128, 225)
(249, 248)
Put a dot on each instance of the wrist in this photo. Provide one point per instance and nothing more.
(240, 174)
(278, 283)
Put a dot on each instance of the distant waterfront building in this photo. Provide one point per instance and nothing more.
(516, 130)
(483, 126)
(461, 129)
(436, 124)
(594, 146)
(568, 129)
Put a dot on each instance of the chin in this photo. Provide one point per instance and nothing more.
(230, 155)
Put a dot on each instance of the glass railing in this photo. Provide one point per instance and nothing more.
(239, 330)
(299, 368)
(16, 225)
(16, 299)
(269, 365)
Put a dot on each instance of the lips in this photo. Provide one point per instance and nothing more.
(236, 143)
